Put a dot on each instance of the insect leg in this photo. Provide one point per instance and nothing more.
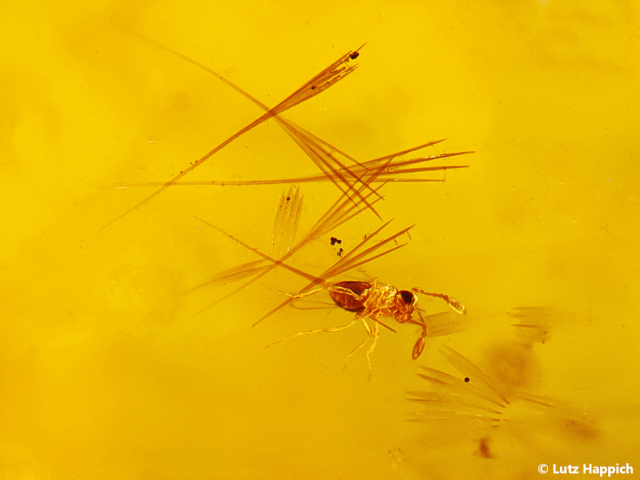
(310, 332)
(375, 333)
(354, 351)
(422, 341)
(305, 294)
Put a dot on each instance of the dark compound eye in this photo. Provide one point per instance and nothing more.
(407, 296)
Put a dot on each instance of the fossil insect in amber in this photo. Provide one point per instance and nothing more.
(370, 301)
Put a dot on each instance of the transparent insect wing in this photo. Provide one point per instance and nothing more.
(443, 323)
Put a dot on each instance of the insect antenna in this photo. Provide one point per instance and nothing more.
(456, 305)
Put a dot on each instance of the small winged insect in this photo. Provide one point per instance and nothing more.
(370, 301)
(331, 161)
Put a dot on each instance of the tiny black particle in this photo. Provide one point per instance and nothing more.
(313, 88)
(340, 252)
(354, 55)
(335, 240)
(466, 379)
(288, 198)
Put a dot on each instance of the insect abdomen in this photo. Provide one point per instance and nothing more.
(350, 295)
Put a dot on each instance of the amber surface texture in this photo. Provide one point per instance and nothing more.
(114, 365)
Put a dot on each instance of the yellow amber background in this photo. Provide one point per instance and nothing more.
(107, 370)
